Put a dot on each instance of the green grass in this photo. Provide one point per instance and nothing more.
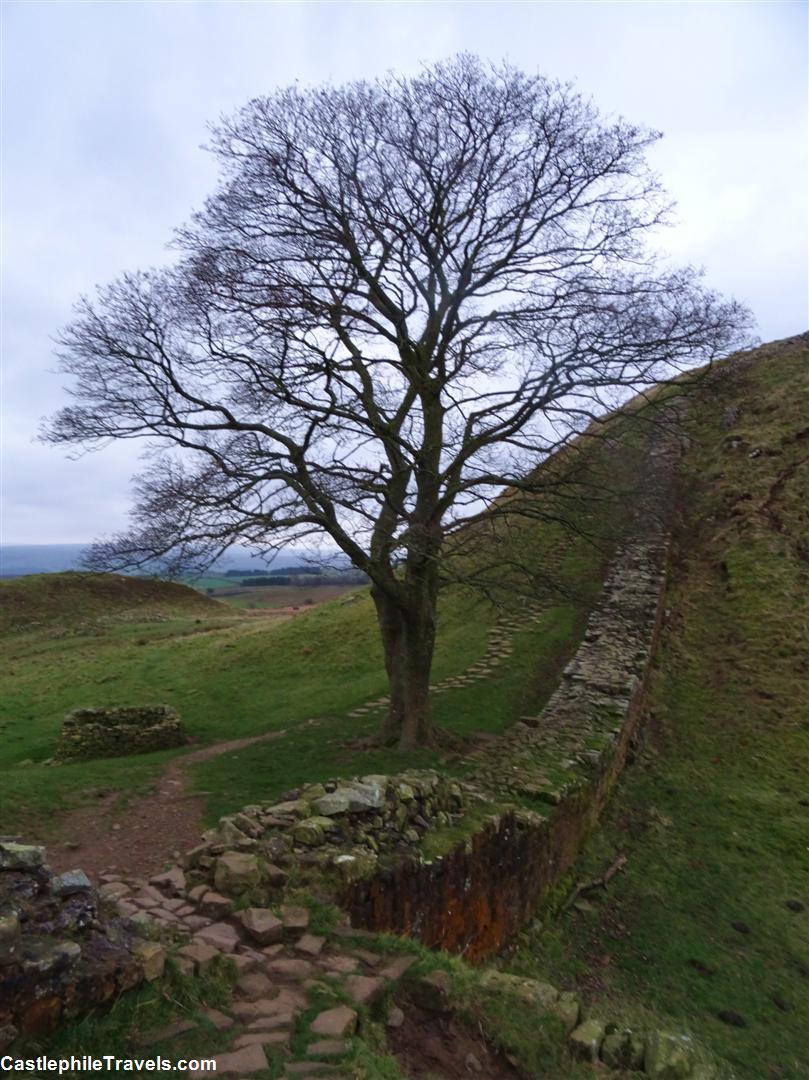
(714, 818)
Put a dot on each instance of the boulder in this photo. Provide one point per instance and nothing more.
(623, 1050)
(586, 1040)
(24, 857)
(668, 1056)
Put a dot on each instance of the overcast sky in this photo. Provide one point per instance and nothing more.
(105, 108)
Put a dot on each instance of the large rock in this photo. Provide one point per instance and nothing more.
(236, 871)
(21, 856)
(337, 802)
(668, 1056)
(623, 1050)
(72, 881)
(366, 795)
(531, 991)
(586, 1040)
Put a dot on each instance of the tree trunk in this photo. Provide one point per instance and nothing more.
(408, 637)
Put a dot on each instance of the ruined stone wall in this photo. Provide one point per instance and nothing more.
(557, 767)
(97, 733)
(61, 953)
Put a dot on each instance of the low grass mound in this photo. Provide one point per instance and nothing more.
(73, 598)
(707, 927)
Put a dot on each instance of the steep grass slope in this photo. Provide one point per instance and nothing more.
(707, 928)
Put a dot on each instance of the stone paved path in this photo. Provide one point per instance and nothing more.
(280, 963)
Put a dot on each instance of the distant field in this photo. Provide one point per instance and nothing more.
(272, 596)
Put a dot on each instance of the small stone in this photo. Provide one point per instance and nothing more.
(243, 962)
(335, 1023)
(261, 925)
(171, 882)
(273, 1023)
(328, 1048)
(586, 1039)
(216, 905)
(72, 881)
(341, 965)
(309, 832)
(248, 1060)
(221, 936)
(363, 989)
(261, 1038)
(294, 917)
(311, 944)
(290, 967)
(254, 985)
(236, 871)
(115, 889)
(395, 1018)
(472, 1064)
(196, 922)
(796, 905)
(396, 968)
(433, 991)
(152, 958)
(201, 955)
(183, 965)
(197, 893)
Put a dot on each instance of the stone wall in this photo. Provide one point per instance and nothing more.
(61, 951)
(96, 733)
(556, 769)
(548, 778)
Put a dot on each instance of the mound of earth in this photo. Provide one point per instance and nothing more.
(73, 597)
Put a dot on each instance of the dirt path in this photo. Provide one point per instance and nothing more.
(154, 829)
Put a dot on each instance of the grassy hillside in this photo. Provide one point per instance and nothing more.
(707, 928)
(74, 601)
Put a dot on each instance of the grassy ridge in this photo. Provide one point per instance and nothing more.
(707, 929)
(75, 601)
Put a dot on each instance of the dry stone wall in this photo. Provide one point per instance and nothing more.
(98, 733)
(555, 770)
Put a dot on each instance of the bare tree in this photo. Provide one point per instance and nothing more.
(400, 298)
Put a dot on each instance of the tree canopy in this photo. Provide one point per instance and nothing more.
(401, 296)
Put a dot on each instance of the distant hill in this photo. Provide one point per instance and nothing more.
(19, 559)
(39, 600)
